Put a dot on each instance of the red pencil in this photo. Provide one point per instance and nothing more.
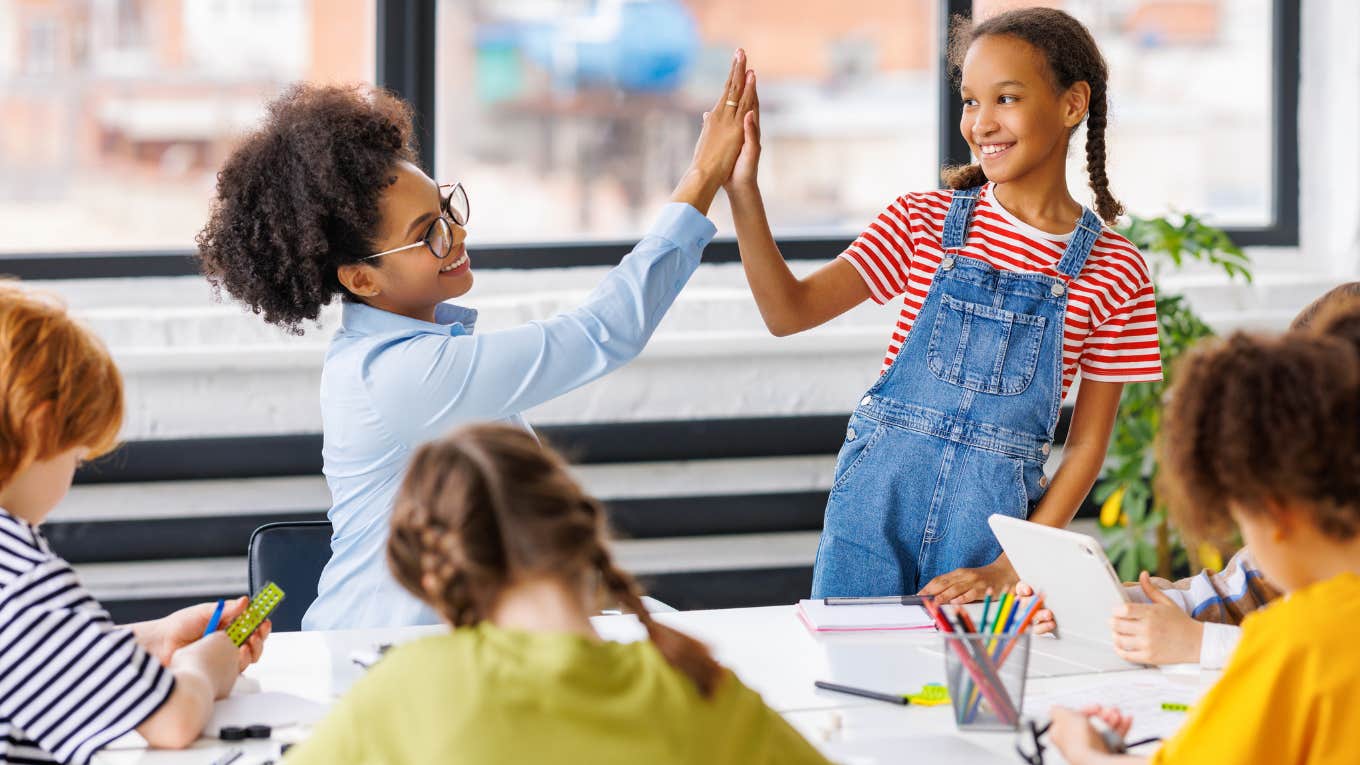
(965, 619)
(981, 677)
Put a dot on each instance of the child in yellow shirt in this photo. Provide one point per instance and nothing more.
(1198, 619)
(491, 531)
(1265, 433)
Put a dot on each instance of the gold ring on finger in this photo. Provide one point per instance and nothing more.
(731, 103)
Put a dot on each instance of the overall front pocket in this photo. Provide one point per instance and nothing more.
(860, 436)
(984, 349)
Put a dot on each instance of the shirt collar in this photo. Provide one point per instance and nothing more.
(364, 319)
(21, 529)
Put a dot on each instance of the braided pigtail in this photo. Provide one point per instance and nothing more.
(446, 544)
(489, 505)
(1107, 206)
(682, 651)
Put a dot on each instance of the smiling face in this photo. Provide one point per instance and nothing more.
(411, 281)
(1015, 122)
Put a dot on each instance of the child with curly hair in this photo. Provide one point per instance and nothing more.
(1264, 433)
(1198, 618)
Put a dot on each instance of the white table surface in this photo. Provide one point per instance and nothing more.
(769, 648)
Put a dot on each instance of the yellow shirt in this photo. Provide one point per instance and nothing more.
(1291, 693)
(487, 695)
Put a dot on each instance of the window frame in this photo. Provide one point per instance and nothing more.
(405, 56)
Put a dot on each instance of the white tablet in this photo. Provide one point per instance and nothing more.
(1077, 581)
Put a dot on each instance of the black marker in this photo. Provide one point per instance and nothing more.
(891, 698)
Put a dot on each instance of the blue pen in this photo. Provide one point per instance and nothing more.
(216, 618)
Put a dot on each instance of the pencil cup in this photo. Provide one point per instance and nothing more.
(986, 674)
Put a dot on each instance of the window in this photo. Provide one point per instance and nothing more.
(570, 120)
(117, 114)
(574, 120)
(1194, 120)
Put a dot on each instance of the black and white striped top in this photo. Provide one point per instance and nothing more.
(70, 680)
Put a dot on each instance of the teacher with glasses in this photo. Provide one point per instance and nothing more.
(325, 199)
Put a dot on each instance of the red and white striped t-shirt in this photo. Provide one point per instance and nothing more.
(1110, 332)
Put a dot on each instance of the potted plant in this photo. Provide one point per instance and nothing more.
(1134, 526)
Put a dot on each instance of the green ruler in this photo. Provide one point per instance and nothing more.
(260, 607)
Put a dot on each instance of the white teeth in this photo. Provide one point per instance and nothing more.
(455, 264)
(995, 148)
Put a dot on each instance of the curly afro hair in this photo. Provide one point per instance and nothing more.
(298, 198)
(1252, 418)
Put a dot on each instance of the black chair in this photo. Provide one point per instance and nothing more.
(290, 554)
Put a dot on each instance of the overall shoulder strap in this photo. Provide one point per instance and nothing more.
(1079, 247)
(959, 215)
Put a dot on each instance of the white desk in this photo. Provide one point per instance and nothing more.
(769, 648)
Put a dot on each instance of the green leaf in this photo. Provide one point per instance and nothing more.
(1172, 241)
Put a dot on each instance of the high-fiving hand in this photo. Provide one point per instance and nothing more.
(720, 140)
(744, 171)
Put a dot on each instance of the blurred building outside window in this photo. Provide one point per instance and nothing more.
(571, 120)
(119, 112)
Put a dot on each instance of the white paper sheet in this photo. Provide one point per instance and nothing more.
(1141, 697)
(277, 710)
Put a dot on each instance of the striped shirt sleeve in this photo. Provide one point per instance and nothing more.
(882, 254)
(1223, 597)
(1123, 347)
(70, 680)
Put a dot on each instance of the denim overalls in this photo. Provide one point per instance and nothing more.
(957, 429)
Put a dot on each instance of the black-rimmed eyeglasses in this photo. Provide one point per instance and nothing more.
(438, 238)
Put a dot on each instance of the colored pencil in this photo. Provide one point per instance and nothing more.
(1033, 609)
(216, 618)
(987, 682)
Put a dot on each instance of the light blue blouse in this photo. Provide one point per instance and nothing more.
(391, 383)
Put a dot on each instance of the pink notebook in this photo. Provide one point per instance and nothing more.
(820, 617)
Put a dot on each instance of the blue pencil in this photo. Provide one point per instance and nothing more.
(216, 618)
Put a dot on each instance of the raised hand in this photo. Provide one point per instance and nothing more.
(721, 139)
(748, 161)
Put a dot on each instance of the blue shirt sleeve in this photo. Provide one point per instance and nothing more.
(425, 385)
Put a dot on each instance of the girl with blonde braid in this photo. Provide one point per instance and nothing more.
(490, 531)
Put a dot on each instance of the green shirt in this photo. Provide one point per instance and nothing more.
(487, 695)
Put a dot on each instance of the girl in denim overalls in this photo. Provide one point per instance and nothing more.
(1009, 288)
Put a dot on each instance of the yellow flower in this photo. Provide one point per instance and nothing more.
(1111, 512)
(1210, 557)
